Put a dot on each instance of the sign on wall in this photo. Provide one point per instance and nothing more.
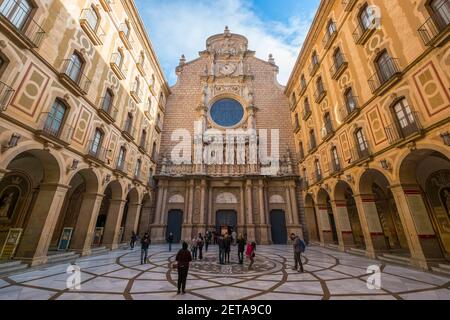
(64, 241)
(11, 243)
(98, 234)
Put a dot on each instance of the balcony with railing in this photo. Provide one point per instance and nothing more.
(320, 94)
(296, 126)
(304, 183)
(312, 145)
(75, 80)
(6, 94)
(301, 155)
(362, 33)
(140, 65)
(329, 37)
(95, 152)
(388, 73)
(340, 64)
(122, 168)
(404, 129)
(328, 130)
(335, 167)
(435, 31)
(360, 154)
(125, 35)
(52, 130)
(129, 131)
(18, 24)
(143, 147)
(306, 112)
(303, 88)
(313, 67)
(350, 110)
(317, 177)
(90, 23)
(118, 66)
(107, 110)
(136, 93)
(348, 5)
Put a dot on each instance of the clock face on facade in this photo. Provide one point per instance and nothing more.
(228, 69)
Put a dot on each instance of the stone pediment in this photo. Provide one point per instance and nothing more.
(227, 44)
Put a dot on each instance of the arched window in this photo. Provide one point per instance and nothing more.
(55, 118)
(17, 12)
(338, 58)
(385, 66)
(361, 141)
(137, 85)
(328, 123)
(141, 58)
(121, 158)
(350, 100)
(137, 170)
(331, 28)
(404, 117)
(293, 99)
(365, 17)
(154, 151)
(312, 139)
(303, 82)
(318, 169)
(301, 150)
(93, 18)
(97, 142)
(150, 177)
(108, 100)
(335, 158)
(315, 58)
(119, 58)
(143, 138)
(74, 67)
(440, 12)
(307, 106)
(297, 122)
(319, 85)
(129, 122)
(126, 29)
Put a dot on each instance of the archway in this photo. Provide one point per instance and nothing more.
(381, 213)
(226, 221)
(326, 216)
(106, 225)
(279, 229)
(73, 229)
(130, 217)
(147, 215)
(313, 233)
(425, 175)
(30, 203)
(347, 212)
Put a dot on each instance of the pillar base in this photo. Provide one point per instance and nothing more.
(186, 232)
(264, 230)
(251, 232)
(34, 261)
(157, 235)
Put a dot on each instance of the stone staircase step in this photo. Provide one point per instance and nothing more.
(62, 257)
(395, 259)
(99, 251)
(359, 252)
(442, 271)
(11, 267)
(444, 266)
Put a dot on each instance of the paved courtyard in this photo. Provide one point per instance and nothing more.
(328, 275)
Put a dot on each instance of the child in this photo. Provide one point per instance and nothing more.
(251, 248)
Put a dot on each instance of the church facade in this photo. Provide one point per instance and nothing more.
(227, 100)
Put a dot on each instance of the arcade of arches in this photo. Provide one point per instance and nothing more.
(52, 215)
(407, 214)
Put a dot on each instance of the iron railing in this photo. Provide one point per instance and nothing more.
(329, 37)
(313, 67)
(87, 18)
(350, 108)
(312, 144)
(317, 177)
(339, 65)
(306, 112)
(319, 94)
(403, 128)
(50, 127)
(359, 34)
(436, 24)
(6, 94)
(108, 109)
(335, 167)
(328, 129)
(74, 74)
(97, 151)
(129, 130)
(386, 72)
(20, 19)
(359, 154)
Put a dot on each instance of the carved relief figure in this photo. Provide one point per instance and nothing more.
(8, 202)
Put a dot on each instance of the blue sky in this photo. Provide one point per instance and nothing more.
(182, 26)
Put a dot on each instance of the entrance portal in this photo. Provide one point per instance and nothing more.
(279, 230)
(175, 224)
(226, 221)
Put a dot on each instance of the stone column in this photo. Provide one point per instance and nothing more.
(242, 214)
(202, 226)
(84, 230)
(144, 224)
(296, 228)
(370, 224)
(289, 216)
(41, 224)
(157, 229)
(211, 215)
(187, 227)
(134, 212)
(264, 227)
(343, 226)
(251, 233)
(324, 224)
(113, 223)
(420, 235)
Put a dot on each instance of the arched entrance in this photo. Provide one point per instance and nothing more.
(381, 213)
(30, 203)
(279, 229)
(226, 221)
(313, 233)
(352, 232)
(425, 175)
(175, 224)
(147, 215)
(130, 217)
(80, 206)
(326, 217)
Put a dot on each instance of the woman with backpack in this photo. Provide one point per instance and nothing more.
(299, 248)
(194, 248)
(200, 243)
(251, 248)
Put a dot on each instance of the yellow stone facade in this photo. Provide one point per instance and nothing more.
(82, 105)
(370, 106)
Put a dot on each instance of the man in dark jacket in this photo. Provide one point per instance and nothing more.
(241, 248)
(221, 243)
(183, 259)
(299, 248)
(170, 241)
(228, 240)
(145, 243)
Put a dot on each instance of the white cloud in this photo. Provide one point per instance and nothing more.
(182, 27)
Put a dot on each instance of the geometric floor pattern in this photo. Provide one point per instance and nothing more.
(328, 275)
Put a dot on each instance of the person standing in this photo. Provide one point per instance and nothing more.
(207, 240)
(299, 248)
(183, 259)
(227, 248)
(221, 243)
(194, 248)
(170, 241)
(234, 237)
(133, 240)
(251, 254)
(145, 243)
(200, 243)
(241, 248)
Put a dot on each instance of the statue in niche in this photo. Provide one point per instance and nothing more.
(8, 202)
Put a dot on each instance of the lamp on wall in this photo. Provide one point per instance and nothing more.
(446, 137)
(107, 179)
(349, 178)
(74, 165)
(385, 165)
(14, 140)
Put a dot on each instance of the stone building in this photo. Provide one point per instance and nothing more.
(370, 104)
(82, 100)
(227, 87)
